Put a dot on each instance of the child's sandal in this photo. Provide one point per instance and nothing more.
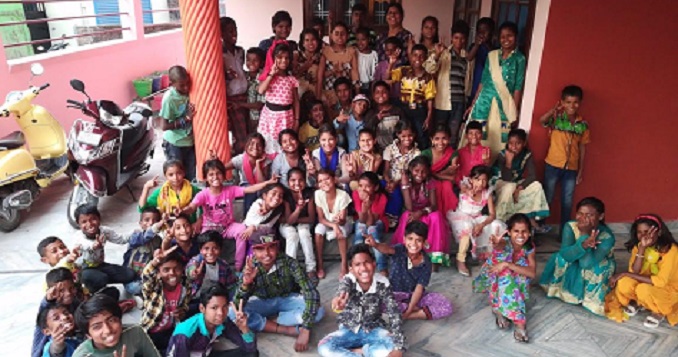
(520, 335)
(653, 321)
(632, 309)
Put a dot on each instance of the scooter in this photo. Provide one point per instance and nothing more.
(108, 153)
(24, 172)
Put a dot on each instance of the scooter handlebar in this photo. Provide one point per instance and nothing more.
(44, 86)
(74, 103)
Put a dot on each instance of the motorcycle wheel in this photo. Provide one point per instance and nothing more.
(8, 225)
(79, 196)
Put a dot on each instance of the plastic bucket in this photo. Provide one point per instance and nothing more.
(143, 87)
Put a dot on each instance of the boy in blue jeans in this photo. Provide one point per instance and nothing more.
(176, 113)
(569, 135)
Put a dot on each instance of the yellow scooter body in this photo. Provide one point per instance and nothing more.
(44, 135)
(16, 165)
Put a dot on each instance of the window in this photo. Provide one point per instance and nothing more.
(341, 11)
(469, 11)
(521, 12)
(112, 6)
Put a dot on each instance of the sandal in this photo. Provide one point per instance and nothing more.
(653, 321)
(520, 334)
(633, 309)
(463, 270)
(502, 322)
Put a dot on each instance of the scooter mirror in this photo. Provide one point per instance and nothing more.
(37, 69)
(78, 85)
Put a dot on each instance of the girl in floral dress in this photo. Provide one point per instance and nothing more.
(337, 60)
(281, 110)
(506, 275)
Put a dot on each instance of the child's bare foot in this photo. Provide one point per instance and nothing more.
(520, 334)
(321, 274)
(287, 330)
(463, 270)
(502, 322)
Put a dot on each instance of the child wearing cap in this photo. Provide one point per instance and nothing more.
(353, 122)
(278, 295)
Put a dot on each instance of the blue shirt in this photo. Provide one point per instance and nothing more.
(352, 128)
(404, 279)
(71, 344)
(481, 58)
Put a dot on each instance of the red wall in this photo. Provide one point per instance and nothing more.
(624, 55)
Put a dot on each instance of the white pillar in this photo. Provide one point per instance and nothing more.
(135, 19)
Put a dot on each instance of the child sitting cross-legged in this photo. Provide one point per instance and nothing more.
(216, 203)
(56, 321)
(254, 166)
(207, 269)
(265, 212)
(365, 159)
(369, 201)
(506, 275)
(359, 302)
(197, 335)
(166, 296)
(180, 234)
(100, 318)
(142, 244)
(410, 274)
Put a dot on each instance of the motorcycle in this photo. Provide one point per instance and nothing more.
(24, 172)
(108, 153)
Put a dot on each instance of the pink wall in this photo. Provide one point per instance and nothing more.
(107, 70)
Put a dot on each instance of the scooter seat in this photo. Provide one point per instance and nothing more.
(132, 132)
(12, 141)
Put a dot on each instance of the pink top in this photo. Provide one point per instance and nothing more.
(281, 90)
(217, 211)
(420, 198)
(468, 160)
(378, 207)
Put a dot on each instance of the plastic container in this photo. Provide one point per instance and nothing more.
(164, 82)
(157, 84)
(143, 87)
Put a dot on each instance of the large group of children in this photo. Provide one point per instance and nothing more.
(346, 141)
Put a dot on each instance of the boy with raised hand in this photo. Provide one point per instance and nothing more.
(196, 336)
(100, 318)
(284, 293)
(56, 322)
(166, 296)
(359, 302)
(142, 244)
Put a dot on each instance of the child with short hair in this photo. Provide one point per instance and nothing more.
(469, 226)
(452, 68)
(369, 200)
(359, 21)
(207, 269)
(367, 58)
(196, 335)
(477, 54)
(506, 274)
(366, 159)
(56, 322)
(254, 166)
(282, 96)
(417, 91)
(337, 60)
(99, 313)
(410, 274)
(177, 113)
(281, 25)
(236, 83)
(393, 46)
(333, 221)
(180, 234)
(293, 155)
(343, 107)
(360, 300)
(175, 194)
(142, 244)
(421, 204)
(300, 216)
(217, 204)
(308, 132)
(54, 253)
(384, 116)
(397, 157)
(350, 124)
(96, 273)
(166, 296)
(569, 134)
(518, 190)
(473, 153)
(254, 61)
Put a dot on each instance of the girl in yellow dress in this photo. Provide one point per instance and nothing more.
(652, 280)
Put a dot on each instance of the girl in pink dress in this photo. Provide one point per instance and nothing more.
(419, 194)
(282, 97)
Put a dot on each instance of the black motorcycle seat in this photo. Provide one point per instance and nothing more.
(12, 141)
(132, 132)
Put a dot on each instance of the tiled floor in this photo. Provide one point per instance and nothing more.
(556, 329)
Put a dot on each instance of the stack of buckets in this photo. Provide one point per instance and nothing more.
(148, 85)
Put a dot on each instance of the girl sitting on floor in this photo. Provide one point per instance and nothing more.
(652, 279)
(253, 166)
(506, 275)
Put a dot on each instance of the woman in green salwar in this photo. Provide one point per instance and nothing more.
(579, 272)
(500, 91)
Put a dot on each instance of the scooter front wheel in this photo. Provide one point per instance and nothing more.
(79, 196)
(9, 220)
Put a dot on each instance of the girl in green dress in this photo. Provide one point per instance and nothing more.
(579, 272)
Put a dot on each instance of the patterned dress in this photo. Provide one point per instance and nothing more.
(467, 215)
(579, 275)
(271, 123)
(338, 64)
(508, 290)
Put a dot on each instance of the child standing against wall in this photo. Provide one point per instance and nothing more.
(236, 83)
(177, 115)
(569, 134)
